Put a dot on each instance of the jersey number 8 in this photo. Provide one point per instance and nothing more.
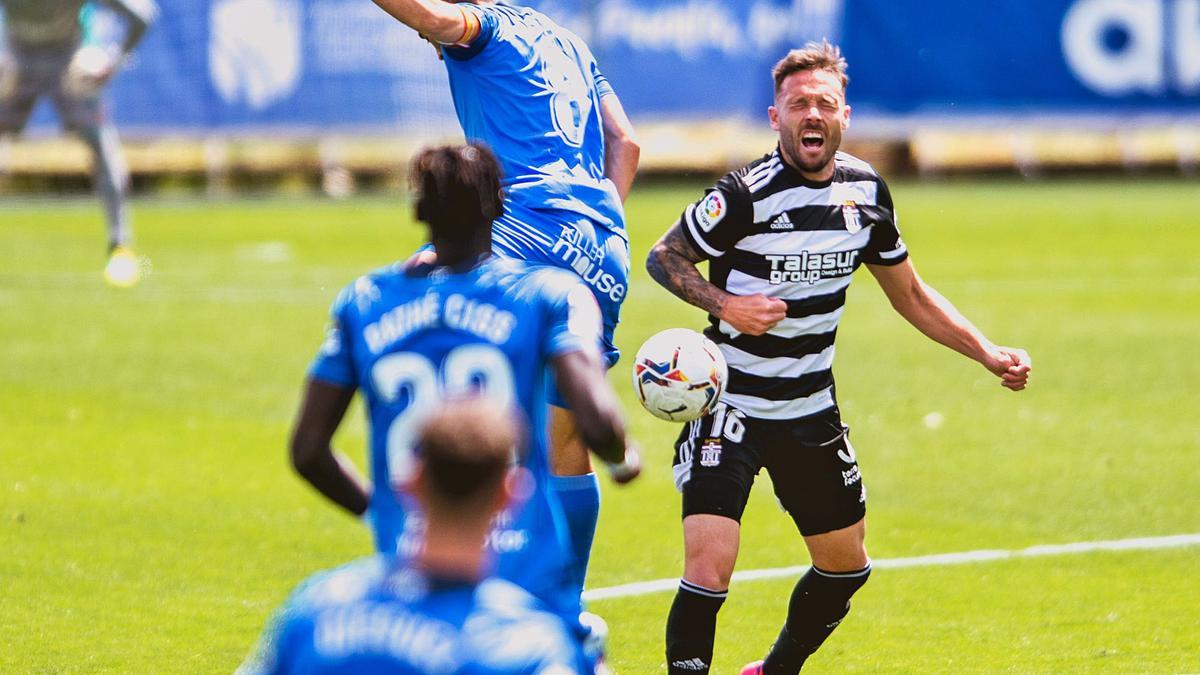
(570, 101)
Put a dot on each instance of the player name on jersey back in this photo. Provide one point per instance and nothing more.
(481, 319)
(409, 637)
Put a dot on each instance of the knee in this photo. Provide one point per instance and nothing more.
(712, 579)
(709, 569)
(845, 559)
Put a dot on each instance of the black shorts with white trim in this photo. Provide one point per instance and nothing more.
(812, 465)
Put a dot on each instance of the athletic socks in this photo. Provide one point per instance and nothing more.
(580, 499)
(819, 603)
(691, 628)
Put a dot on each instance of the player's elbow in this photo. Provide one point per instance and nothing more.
(654, 256)
(306, 451)
(630, 146)
(624, 144)
(656, 261)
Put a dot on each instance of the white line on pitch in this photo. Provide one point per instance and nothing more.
(964, 557)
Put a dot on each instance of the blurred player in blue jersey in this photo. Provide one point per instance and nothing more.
(531, 90)
(48, 48)
(409, 336)
(442, 613)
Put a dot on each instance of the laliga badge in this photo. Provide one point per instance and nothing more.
(851, 216)
(711, 210)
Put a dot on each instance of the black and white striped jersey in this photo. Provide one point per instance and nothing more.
(766, 229)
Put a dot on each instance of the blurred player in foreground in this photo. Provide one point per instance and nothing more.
(532, 91)
(783, 236)
(442, 613)
(47, 50)
(409, 336)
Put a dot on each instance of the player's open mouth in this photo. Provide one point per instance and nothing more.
(812, 139)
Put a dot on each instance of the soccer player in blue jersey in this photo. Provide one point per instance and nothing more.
(48, 48)
(531, 90)
(408, 336)
(442, 613)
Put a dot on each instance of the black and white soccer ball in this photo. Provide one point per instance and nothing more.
(679, 375)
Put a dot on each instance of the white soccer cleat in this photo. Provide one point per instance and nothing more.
(123, 270)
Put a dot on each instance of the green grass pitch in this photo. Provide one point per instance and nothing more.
(149, 521)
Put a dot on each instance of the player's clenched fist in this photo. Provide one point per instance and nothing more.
(629, 468)
(1012, 366)
(753, 314)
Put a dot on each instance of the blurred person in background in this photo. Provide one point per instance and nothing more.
(784, 235)
(49, 48)
(441, 612)
(533, 92)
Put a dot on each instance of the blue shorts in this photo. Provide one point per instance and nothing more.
(566, 239)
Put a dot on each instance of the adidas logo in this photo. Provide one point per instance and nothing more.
(690, 664)
(782, 222)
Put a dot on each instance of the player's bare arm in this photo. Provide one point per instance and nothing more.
(937, 318)
(321, 412)
(596, 411)
(439, 21)
(137, 15)
(621, 148)
(672, 263)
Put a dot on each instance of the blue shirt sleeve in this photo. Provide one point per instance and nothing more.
(335, 358)
(287, 645)
(489, 26)
(603, 88)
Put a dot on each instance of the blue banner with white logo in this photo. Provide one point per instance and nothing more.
(313, 66)
(949, 57)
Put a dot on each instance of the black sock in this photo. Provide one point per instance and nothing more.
(691, 628)
(819, 603)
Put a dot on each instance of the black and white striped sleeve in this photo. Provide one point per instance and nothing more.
(720, 219)
(886, 247)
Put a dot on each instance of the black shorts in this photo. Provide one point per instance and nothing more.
(810, 460)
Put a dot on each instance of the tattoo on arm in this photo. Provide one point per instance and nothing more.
(672, 263)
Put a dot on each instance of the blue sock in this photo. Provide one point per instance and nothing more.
(580, 499)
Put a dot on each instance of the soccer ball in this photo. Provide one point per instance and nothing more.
(679, 374)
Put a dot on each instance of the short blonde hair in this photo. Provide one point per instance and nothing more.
(465, 450)
(814, 56)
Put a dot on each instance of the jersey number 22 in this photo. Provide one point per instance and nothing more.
(474, 367)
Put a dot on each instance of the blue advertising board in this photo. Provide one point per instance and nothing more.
(950, 57)
(312, 66)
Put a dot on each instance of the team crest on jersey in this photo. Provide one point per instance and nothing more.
(851, 215)
(710, 452)
(711, 210)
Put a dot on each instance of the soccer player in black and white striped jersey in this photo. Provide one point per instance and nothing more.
(783, 236)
